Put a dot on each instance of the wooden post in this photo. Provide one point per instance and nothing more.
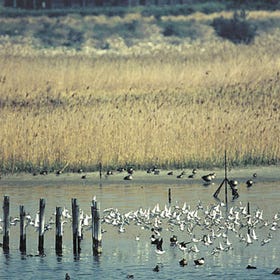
(41, 225)
(100, 170)
(226, 180)
(22, 241)
(79, 230)
(96, 228)
(6, 224)
(169, 195)
(75, 226)
(59, 231)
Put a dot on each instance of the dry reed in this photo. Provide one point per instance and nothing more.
(172, 108)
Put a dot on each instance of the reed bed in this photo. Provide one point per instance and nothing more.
(175, 107)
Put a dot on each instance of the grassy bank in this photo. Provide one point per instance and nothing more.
(175, 101)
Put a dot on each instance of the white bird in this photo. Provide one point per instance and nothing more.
(121, 228)
(248, 239)
(194, 249)
(221, 248)
(36, 222)
(253, 235)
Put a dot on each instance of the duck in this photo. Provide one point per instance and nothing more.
(183, 262)
(67, 276)
(209, 177)
(130, 170)
(276, 271)
(128, 177)
(233, 183)
(199, 261)
(249, 183)
(109, 172)
(194, 171)
(173, 240)
(180, 175)
(251, 267)
(156, 268)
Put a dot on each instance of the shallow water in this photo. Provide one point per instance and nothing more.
(122, 254)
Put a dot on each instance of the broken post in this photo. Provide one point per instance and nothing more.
(42, 206)
(96, 228)
(59, 231)
(169, 195)
(22, 229)
(6, 224)
(75, 226)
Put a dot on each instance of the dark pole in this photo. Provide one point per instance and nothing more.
(41, 226)
(169, 195)
(22, 242)
(226, 177)
(6, 224)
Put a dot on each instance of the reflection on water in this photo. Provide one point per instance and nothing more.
(122, 254)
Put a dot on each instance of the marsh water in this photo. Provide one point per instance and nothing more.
(122, 253)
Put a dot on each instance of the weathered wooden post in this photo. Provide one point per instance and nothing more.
(169, 195)
(96, 228)
(6, 224)
(100, 170)
(75, 226)
(248, 214)
(59, 231)
(41, 225)
(22, 229)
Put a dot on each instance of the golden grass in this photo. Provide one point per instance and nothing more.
(176, 107)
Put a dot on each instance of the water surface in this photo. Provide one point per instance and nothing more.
(122, 253)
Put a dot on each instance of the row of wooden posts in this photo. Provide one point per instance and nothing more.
(76, 227)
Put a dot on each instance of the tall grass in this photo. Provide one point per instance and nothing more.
(177, 107)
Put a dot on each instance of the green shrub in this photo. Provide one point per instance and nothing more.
(237, 29)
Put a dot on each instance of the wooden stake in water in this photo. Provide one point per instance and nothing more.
(100, 170)
(96, 228)
(169, 195)
(75, 226)
(22, 229)
(59, 231)
(6, 224)
(226, 179)
(42, 206)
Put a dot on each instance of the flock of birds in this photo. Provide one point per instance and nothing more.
(191, 230)
(213, 226)
(130, 171)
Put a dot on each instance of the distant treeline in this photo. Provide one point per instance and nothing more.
(191, 4)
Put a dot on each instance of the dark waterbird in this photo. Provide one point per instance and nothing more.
(156, 268)
(249, 183)
(276, 271)
(183, 262)
(209, 177)
(128, 177)
(251, 267)
(67, 276)
(173, 240)
(199, 261)
(194, 171)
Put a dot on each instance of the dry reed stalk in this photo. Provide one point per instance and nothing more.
(179, 109)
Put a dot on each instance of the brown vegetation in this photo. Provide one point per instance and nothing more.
(172, 104)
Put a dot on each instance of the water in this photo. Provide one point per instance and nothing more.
(122, 255)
